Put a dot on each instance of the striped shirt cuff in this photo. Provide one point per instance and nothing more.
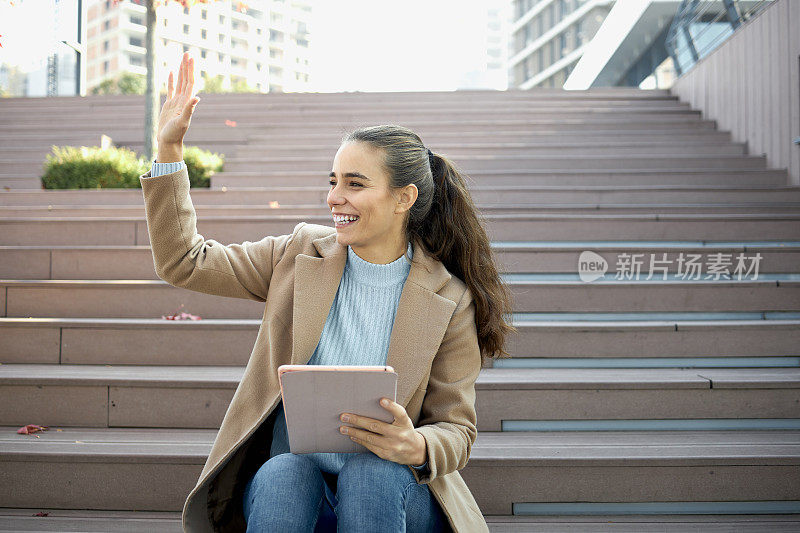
(159, 169)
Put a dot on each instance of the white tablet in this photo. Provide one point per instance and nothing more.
(315, 396)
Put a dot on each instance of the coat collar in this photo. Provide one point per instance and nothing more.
(420, 322)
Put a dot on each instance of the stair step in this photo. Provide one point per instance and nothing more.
(153, 469)
(292, 196)
(229, 342)
(488, 163)
(506, 227)
(69, 520)
(621, 467)
(167, 396)
(86, 521)
(127, 211)
(154, 298)
(65, 262)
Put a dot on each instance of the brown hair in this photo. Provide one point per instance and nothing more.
(445, 221)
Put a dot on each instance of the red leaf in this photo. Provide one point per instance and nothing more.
(31, 428)
(181, 316)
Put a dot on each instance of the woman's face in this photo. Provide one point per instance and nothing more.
(359, 187)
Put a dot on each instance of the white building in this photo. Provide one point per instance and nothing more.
(578, 44)
(266, 45)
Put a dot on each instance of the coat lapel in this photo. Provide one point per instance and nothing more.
(419, 325)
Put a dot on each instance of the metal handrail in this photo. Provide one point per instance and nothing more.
(688, 13)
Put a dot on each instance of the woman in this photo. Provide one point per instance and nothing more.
(406, 278)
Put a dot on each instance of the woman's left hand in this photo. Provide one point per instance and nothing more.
(398, 442)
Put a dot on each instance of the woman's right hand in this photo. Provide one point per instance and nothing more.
(176, 114)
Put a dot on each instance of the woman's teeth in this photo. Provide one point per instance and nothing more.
(344, 221)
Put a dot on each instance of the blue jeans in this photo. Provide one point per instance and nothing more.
(289, 493)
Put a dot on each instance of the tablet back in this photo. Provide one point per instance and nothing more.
(315, 397)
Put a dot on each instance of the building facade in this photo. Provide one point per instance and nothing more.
(548, 38)
(265, 45)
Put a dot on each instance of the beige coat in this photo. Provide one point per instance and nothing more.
(433, 348)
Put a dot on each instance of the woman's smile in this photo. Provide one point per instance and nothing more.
(342, 221)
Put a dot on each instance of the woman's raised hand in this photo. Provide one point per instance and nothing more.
(176, 114)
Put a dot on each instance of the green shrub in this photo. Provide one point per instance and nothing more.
(70, 167)
(201, 165)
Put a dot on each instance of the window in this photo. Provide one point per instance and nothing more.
(165, 22)
(106, 24)
(164, 41)
(204, 14)
(202, 73)
(222, 19)
(203, 53)
(258, 66)
(202, 34)
(135, 41)
(185, 47)
(221, 38)
(302, 42)
(136, 60)
(220, 57)
(258, 31)
(186, 29)
(275, 36)
(275, 71)
(579, 33)
(105, 66)
(105, 46)
(562, 45)
(137, 20)
(185, 10)
(258, 49)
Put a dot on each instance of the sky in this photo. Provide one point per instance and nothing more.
(414, 45)
(378, 45)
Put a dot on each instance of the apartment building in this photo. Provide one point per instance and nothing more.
(265, 45)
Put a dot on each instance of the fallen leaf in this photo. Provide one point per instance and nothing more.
(29, 429)
(231, 123)
(182, 316)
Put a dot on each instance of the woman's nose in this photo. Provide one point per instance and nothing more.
(335, 197)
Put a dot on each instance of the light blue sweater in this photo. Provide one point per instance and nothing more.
(357, 329)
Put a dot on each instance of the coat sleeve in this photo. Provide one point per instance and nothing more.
(447, 417)
(183, 258)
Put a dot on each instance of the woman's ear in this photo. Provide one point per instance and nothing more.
(408, 195)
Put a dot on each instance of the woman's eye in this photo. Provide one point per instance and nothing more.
(331, 182)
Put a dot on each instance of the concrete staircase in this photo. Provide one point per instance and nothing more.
(661, 404)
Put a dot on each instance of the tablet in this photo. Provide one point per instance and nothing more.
(315, 396)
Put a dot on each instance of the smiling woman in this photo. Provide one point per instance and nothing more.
(405, 278)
